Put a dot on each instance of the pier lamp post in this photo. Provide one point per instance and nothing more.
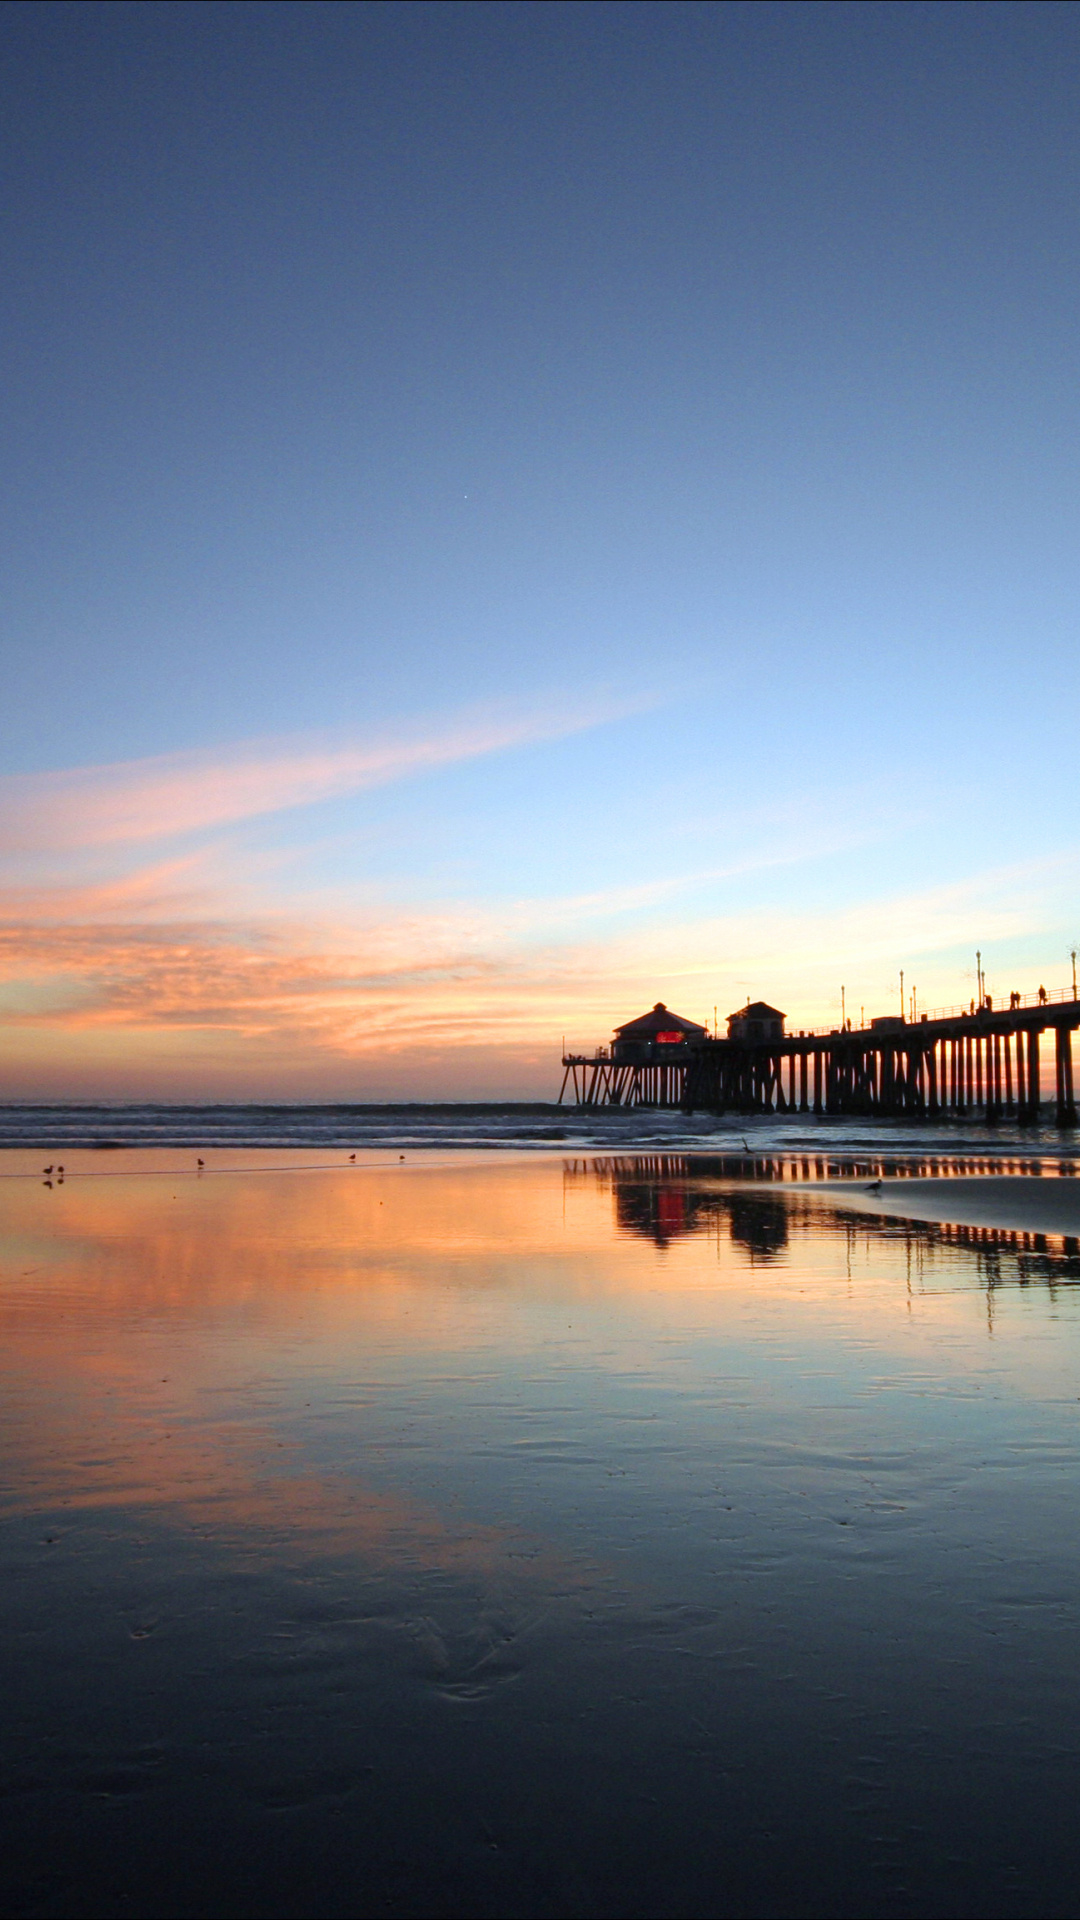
(901, 993)
(843, 1012)
(1074, 972)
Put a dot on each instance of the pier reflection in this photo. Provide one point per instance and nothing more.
(667, 1205)
(667, 1197)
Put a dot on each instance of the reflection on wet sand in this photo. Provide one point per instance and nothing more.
(665, 1206)
(667, 1196)
(634, 1535)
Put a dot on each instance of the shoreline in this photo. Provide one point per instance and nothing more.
(1010, 1203)
(1044, 1198)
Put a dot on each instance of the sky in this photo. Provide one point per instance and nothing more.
(513, 512)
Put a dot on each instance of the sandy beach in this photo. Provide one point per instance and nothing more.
(1016, 1203)
(359, 1519)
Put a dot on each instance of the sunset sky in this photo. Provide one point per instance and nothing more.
(517, 511)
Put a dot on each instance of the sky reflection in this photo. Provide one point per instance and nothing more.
(184, 1341)
(755, 1510)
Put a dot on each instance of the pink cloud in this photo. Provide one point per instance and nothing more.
(139, 800)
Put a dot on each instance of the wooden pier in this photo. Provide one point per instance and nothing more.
(983, 1063)
(598, 1081)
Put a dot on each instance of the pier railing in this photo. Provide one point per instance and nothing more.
(1022, 1002)
(1049, 997)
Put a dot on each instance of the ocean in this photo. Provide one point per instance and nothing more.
(508, 1125)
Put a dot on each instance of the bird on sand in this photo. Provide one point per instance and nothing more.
(352, 1157)
(200, 1164)
(46, 1169)
(874, 1187)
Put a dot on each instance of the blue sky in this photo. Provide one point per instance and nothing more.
(514, 511)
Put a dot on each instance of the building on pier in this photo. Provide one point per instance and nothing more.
(652, 1037)
(645, 1066)
(756, 1021)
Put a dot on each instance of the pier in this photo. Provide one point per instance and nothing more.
(983, 1062)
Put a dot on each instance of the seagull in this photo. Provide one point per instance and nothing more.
(352, 1157)
(200, 1164)
(746, 1144)
(874, 1187)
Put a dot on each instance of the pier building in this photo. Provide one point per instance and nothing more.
(756, 1021)
(652, 1037)
(645, 1065)
(982, 1061)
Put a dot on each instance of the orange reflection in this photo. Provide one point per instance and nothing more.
(164, 1332)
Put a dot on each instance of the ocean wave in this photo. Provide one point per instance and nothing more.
(509, 1125)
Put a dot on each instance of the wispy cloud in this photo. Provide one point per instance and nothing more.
(186, 969)
(172, 794)
(409, 980)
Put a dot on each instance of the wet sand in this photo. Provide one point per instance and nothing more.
(1016, 1203)
(536, 1538)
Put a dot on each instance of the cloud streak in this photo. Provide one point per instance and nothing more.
(168, 795)
(184, 973)
(405, 980)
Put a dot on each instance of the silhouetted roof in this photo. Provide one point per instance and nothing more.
(660, 1020)
(757, 1010)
